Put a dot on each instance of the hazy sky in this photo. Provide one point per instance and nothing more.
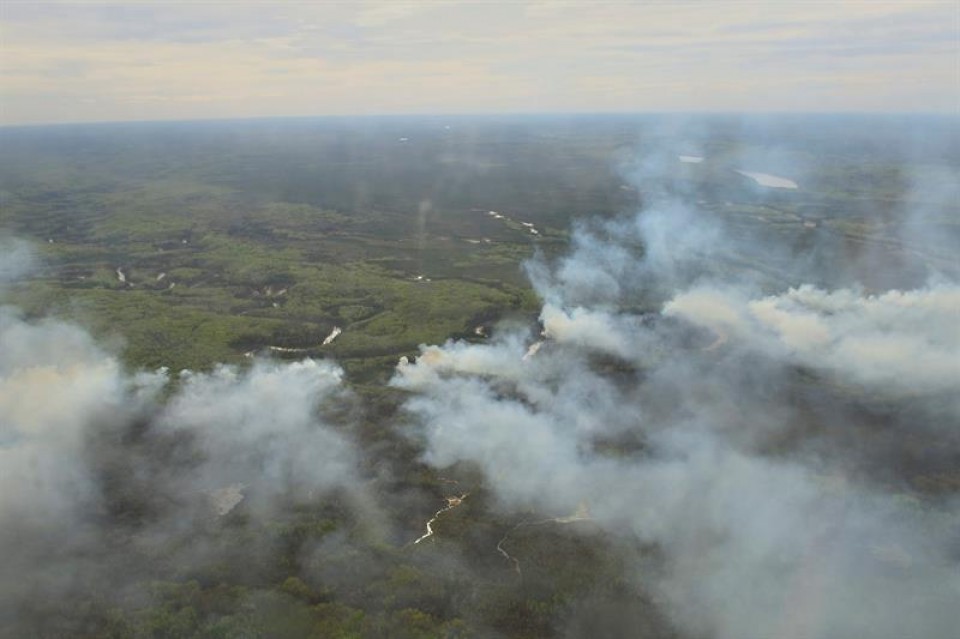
(72, 61)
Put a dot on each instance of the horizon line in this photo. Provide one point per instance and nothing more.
(489, 114)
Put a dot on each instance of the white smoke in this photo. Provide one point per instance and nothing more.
(70, 417)
(259, 428)
(16, 259)
(760, 532)
(750, 428)
(898, 341)
(55, 386)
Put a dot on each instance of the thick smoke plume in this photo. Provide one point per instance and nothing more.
(772, 436)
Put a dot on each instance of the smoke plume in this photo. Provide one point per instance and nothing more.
(85, 508)
(779, 437)
(770, 435)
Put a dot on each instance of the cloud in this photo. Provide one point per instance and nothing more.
(490, 58)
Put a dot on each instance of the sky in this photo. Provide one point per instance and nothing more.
(83, 62)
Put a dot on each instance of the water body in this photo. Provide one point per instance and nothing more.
(768, 180)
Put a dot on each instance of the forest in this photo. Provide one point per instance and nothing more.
(524, 376)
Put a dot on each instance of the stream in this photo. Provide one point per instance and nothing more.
(581, 514)
(452, 502)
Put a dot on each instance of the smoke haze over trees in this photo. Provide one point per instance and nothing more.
(731, 417)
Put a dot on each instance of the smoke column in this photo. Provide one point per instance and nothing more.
(786, 428)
